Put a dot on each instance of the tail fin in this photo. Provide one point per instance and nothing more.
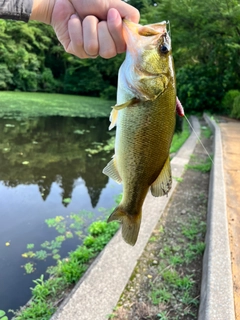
(130, 224)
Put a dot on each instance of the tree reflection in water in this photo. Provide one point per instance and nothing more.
(53, 149)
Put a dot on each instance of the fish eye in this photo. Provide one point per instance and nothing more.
(164, 48)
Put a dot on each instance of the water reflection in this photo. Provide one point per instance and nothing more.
(54, 149)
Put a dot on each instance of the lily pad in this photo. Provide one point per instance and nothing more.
(67, 200)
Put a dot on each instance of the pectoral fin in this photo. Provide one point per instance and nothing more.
(111, 171)
(162, 185)
(126, 104)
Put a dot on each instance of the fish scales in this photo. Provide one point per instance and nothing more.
(145, 115)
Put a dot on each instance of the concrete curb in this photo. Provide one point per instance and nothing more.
(216, 301)
(99, 290)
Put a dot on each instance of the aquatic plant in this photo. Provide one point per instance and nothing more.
(3, 315)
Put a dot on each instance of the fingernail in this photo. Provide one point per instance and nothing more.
(73, 16)
(112, 14)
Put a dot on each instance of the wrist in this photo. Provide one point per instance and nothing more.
(42, 10)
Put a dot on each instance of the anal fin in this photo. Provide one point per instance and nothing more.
(111, 171)
(162, 185)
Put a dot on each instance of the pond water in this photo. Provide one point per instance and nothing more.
(49, 167)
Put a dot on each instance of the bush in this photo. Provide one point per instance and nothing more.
(199, 88)
(235, 113)
(109, 93)
(228, 101)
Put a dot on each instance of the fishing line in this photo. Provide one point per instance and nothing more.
(198, 137)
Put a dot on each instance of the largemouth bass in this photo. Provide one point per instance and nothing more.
(145, 115)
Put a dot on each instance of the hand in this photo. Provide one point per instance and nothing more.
(87, 28)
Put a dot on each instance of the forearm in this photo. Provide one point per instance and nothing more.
(16, 9)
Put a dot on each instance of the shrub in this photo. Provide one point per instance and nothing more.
(235, 113)
(228, 101)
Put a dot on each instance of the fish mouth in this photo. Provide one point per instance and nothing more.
(133, 29)
(137, 36)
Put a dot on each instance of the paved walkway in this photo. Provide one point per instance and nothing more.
(230, 131)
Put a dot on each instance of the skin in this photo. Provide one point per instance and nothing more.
(87, 28)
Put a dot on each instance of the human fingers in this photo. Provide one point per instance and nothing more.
(107, 48)
(114, 23)
(125, 10)
(100, 8)
(90, 36)
(75, 45)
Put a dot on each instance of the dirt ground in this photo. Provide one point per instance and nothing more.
(156, 289)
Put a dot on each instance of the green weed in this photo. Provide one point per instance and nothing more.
(178, 179)
(203, 167)
(160, 295)
(67, 271)
(3, 315)
(163, 315)
(29, 267)
(179, 138)
(207, 132)
(41, 254)
(30, 246)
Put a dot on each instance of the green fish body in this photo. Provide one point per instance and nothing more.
(145, 116)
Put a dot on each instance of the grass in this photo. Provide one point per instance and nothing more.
(179, 138)
(206, 131)
(203, 166)
(28, 104)
(173, 286)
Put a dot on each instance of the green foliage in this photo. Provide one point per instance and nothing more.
(109, 93)
(29, 267)
(180, 137)
(206, 49)
(37, 310)
(203, 167)
(98, 227)
(160, 295)
(30, 246)
(3, 315)
(207, 132)
(235, 113)
(41, 254)
(228, 100)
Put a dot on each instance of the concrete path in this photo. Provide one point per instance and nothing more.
(98, 292)
(230, 131)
